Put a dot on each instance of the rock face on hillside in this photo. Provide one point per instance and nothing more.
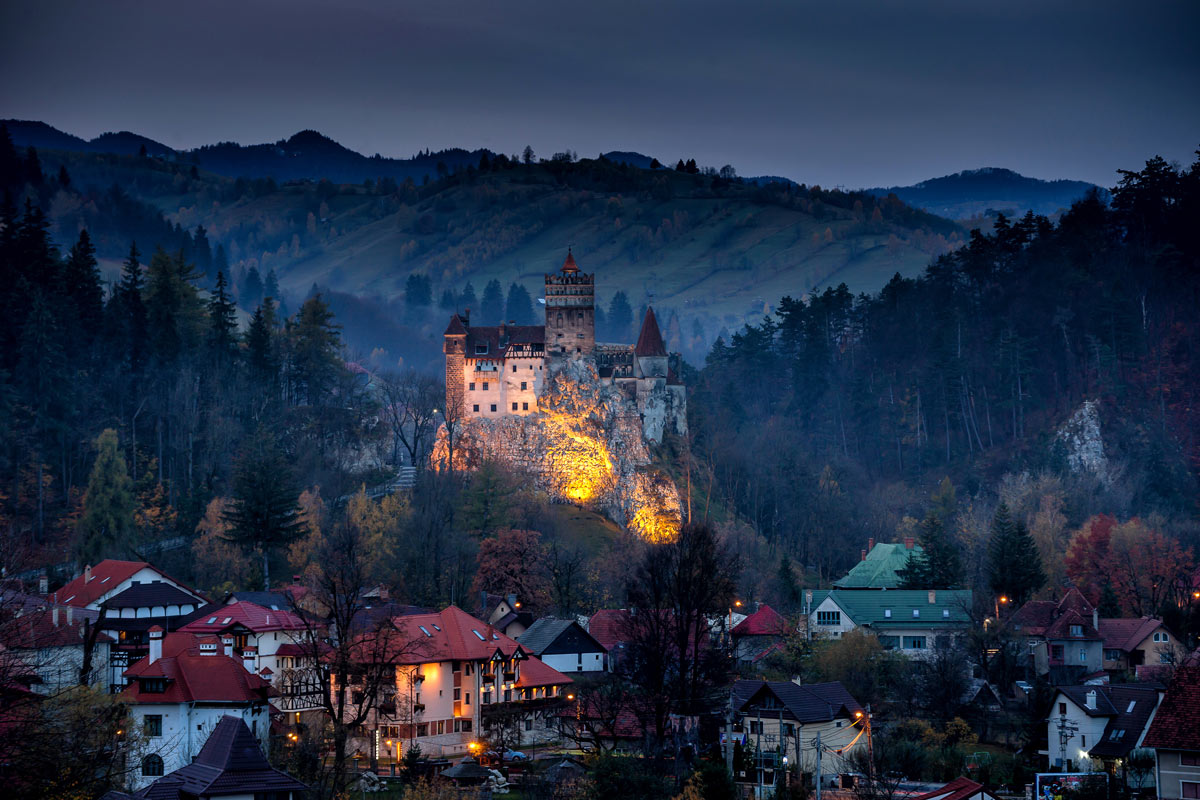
(1084, 445)
(585, 445)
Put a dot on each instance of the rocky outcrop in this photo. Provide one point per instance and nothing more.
(585, 445)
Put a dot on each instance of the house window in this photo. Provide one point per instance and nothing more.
(1189, 760)
(1082, 655)
(1062, 709)
(472, 385)
(457, 694)
(913, 642)
(481, 349)
(468, 668)
(422, 729)
(441, 728)
(508, 695)
(1164, 658)
(1189, 790)
(153, 725)
(524, 385)
(916, 612)
(1056, 652)
(887, 613)
(1077, 630)
(829, 618)
(152, 765)
(1160, 637)
(154, 685)
(756, 727)
(1112, 655)
(528, 724)
(467, 699)
(789, 729)
(493, 406)
(466, 726)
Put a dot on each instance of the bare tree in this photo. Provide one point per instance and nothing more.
(353, 652)
(591, 718)
(410, 406)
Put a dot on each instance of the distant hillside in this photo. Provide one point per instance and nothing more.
(972, 193)
(710, 253)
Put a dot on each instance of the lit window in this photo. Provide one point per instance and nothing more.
(946, 613)
(916, 612)
(887, 613)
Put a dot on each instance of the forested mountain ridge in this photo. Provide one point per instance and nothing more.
(707, 251)
(1053, 366)
(983, 192)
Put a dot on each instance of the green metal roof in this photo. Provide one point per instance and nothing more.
(949, 608)
(878, 570)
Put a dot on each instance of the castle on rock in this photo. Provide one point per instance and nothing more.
(497, 371)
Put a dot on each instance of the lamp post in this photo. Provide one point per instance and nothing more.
(1001, 600)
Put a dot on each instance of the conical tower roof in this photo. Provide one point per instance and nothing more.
(569, 265)
(650, 341)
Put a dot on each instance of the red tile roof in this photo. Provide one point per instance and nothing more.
(957, 789)
(105, 576)
(650, 341)
(246, 614)
(764, 622)
(38, 629)
(607, 626)
(1036, 616)
(569, 265)
(192, 677)
(1061, 627)
(1127, 634)
(535, 672)
(1176, 724)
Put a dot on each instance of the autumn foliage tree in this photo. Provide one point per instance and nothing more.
(513, 562)
(1143, 568)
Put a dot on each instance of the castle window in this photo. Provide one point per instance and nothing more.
(560, 319)
(514, 406)
(481, 349)
(493, 406)
(472, 386)
(525, 385)
(524, 406)
(514, 367)
(475, 408)
(485, 386)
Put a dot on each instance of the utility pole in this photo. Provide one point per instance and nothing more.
(1066, 732)
(817, 742)
(870, 749)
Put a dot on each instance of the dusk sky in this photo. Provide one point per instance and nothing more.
(847, 93)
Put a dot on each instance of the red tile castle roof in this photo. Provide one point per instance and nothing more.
(569, 265)
(650, 341)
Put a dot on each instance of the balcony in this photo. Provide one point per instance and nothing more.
(418, 708)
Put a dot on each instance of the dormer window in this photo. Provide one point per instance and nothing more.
(1077, 630)
(481, 349)
(916, 612)
(154, 685)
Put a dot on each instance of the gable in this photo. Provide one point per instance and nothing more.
(573, 639)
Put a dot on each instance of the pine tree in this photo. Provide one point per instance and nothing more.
(491, 309)
(467, 299)
(222, 322)
(252, 289)
(262, 351)
(448, 301)
(620, 318)
(938, 565)
(316, 351)
(130, 311)
(82, 279)
(271, 287)
(263, 513)
(418, 291)
(1014, 564)
(106, 527)
(519, 306)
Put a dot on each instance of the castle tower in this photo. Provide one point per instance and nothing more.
(570, 310)
(650, 354)
(454, 345)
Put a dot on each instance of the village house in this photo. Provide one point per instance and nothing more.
(1174, 735)
(504, 613)
(787, 724)
(758, 635)
(230, 766)
(132, 597)
(53, 644)
(179, 693)
(564, 645)
(272, 642)
(1133, 643)
(453, 674)
(880, 565)
(915, 622)
(1096, 726)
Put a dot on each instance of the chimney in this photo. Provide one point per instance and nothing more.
(87, 574)
(208, 648)
(1096, 618)
(156, 639)
(70, 616)
(932, 596)
(43, 584)
(54, 616)
(870, 544)
(228, 642)
(466, 316)
(908, 542)
(1090, 700)
(249, 655)
(862, 555)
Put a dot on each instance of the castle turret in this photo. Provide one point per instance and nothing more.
(570, 310)
(454, 345)
(650, 354)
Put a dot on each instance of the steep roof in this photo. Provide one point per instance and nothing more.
(489, 336)
(608, 625)
(456, 327)
(218, 618)
(569, 265)
(1176, 726)
(1061, 628)
(38, 629)
(157, 593)
(192, 677)
(1035, 617)
(879, 569)
(948, 609)
(813, 702)
(104, 577)
(535, 672)
(230, 763)
(1126, 634)
(764, 622)
(958, 789)
(542, 633)
(650, 341)
(1127, 706)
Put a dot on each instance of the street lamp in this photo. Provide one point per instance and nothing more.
(1001, 600)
